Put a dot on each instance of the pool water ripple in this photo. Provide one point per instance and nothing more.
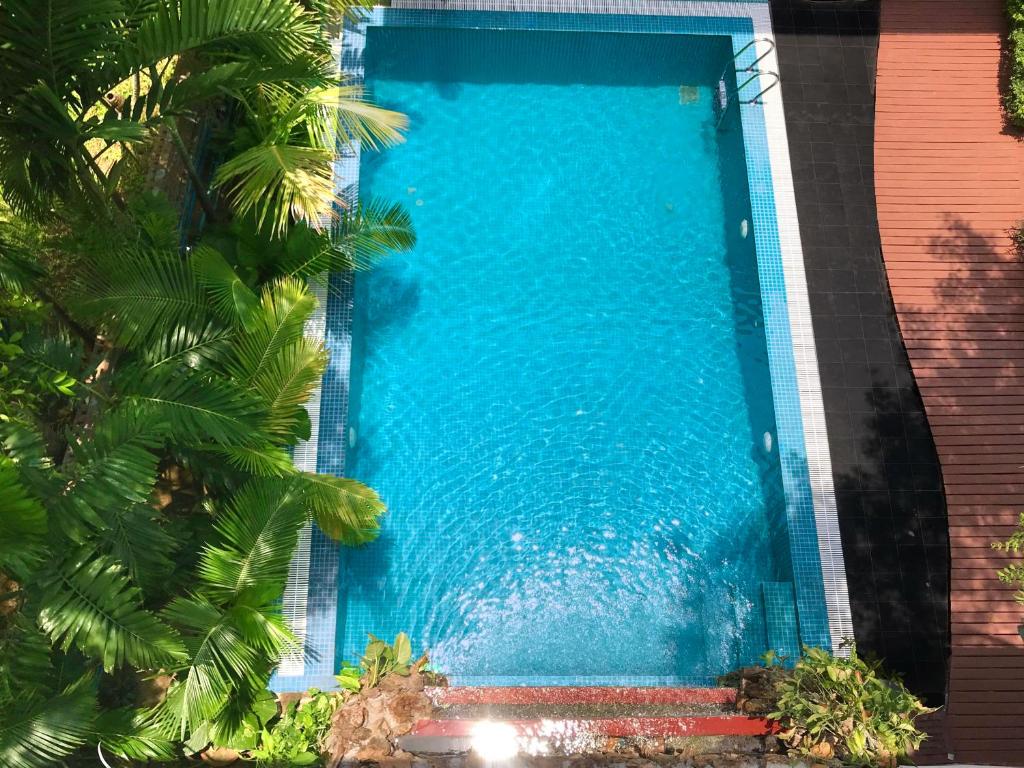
(562, 392)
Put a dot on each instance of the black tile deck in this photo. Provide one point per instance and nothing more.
(892, 510)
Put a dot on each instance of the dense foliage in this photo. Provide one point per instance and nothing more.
(1014, 97)
(149, 394)
(296, 738)
(843, 707)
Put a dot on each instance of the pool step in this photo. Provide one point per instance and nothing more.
(559, 694)
(567, 719)
(556, 703)
(571, 736)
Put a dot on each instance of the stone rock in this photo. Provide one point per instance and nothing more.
(219, 756)
(405, 709)
(367, 726)
(374, 750)
(755, 707)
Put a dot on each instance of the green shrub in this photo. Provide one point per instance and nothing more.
(829, 705)
(296, 738)
(1014, 98)
(379, 660)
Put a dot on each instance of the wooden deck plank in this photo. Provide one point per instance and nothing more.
(950, 188)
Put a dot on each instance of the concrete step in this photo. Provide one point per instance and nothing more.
(517, 695)
(576, 703)
(572, 736)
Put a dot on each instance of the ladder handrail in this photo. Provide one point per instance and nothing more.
(755, 62)
(757, 73)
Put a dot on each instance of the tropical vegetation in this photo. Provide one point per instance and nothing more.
(1014, 96)
(150, 394)
(830, 706)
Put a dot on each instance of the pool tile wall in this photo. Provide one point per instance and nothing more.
(818, 570)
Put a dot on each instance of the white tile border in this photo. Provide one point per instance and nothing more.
(819, 463)
(805, 356)
(295, 601)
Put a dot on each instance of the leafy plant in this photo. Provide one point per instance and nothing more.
(1014, 573)
(296, 738)
(349, 677)
(829, 704)
(381, 659)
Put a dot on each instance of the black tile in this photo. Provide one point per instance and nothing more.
(888, 485)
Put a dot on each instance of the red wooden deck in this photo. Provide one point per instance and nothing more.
(950, 188)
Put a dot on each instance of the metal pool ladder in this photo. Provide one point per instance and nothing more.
(725, 99)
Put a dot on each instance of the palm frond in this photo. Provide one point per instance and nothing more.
(89, 602)
(257, 534)
(288, 172)
(40, 733)
(362, 237)
(220, 660)
(261, 460)
(132, 734)
(286, 383)
(275, 29)
(359, 120)
(285, 305)
(193, 406)
(23, 523)
(56, 41)
(26, 672)
(115, 462)
(142, 294)
(275, 180)
(136, 538)
(187, 346)
(346, 510)
(232, 299)
(18, 269)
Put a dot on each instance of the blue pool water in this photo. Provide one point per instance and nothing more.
(563, 392)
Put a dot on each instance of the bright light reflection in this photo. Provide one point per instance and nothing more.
(495, 741)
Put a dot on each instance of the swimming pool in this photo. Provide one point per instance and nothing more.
(565, 393)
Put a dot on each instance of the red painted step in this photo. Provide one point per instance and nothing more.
(618, 727)
(569, 695)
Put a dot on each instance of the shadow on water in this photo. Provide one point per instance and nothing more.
(393, 303)
(524, 56)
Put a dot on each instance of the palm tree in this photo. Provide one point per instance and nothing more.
(177, 420)
(66, 103)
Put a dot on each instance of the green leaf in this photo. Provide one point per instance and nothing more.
(257, 534)
(234, 302)
(23, 523)
(194, 407)
(40, 733)
(403, 648)
(346, 510)
(132, 734)
(136, 538)
(89, 602)
(140, 294)
(268, 28)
